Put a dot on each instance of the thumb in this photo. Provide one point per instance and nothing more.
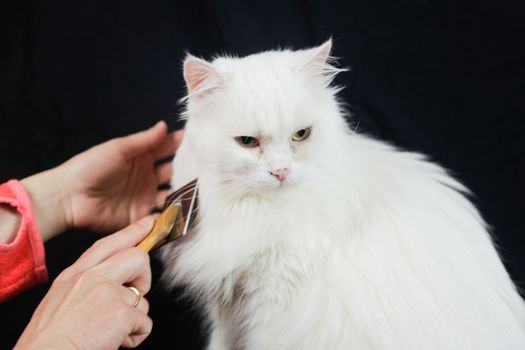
(143, 141)
(105, 247)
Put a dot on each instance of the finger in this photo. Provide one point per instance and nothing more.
(164, 172)
(130, 298)
(166, 148)
(107, 246)
(178, 136)
(144, 141)
(160, 199)
(130, 266)
(141, 328)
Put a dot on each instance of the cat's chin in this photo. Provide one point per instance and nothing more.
(277, 187)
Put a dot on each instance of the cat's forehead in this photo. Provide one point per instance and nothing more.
(268, 73)
(265, 92)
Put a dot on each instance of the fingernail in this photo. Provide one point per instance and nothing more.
(146, 221)
(157, 123)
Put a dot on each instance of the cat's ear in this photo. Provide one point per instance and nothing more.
(318, 62)
(200, 76)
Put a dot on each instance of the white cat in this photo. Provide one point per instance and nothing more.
(313, 237)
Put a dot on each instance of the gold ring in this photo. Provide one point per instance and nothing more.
(139, 296)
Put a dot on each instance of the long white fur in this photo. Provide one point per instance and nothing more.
(362, 247)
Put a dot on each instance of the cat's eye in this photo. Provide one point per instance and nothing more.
(247, 141)
(302, 134)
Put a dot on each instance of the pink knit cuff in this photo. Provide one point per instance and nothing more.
(22, 203)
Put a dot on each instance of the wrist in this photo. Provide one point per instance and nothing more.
(49, 201)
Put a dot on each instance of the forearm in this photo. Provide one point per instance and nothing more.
(48, 201)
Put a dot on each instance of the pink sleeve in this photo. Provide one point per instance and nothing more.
(22, 261)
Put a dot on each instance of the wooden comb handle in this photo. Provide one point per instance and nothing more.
(161, 228)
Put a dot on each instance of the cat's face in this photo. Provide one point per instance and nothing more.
(260, 123)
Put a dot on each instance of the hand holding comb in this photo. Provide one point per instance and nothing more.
(175, 220)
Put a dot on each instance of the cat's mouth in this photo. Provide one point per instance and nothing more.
(283, 184)
(280, 185)
(269, 187)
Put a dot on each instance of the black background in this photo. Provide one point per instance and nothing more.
(443, 78)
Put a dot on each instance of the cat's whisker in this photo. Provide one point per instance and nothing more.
(181, 197)
(189, 190)
(193, 222)
(356, 126)
(177, 200)
(158, 206)
(239, 187)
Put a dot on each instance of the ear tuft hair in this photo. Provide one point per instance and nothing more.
(318, 62)
(200, 76)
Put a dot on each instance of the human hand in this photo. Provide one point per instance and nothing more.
(106, 187)
(89, 306)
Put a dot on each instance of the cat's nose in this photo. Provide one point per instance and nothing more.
(280, 174)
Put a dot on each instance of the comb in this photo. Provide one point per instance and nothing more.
(177, 216)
